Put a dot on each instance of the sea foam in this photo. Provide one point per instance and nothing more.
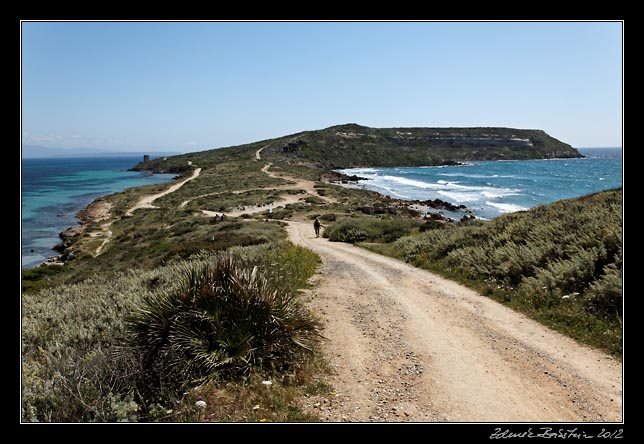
(505, 207)
(493, 188)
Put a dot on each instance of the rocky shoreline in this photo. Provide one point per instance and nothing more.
(96, 211)
(440, 204)
(337, 178)
(420, 209)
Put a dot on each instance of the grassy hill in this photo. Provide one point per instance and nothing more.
(351, 145)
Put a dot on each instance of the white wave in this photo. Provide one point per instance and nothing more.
(505, 207)
(500, 192)
(390, 191)
(359, 171)
(471, 195)
(460, 196)
(489, 192)
(479, 176)
(410, 182)
(462, 164)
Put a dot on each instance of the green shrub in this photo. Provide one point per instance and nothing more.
(604, 296)
(75, 366)
(328, 217)
(348, 233)
(221, 321)
(70, 372)
(371, 229)
(289, 266)
(431, 225)
(38, 277)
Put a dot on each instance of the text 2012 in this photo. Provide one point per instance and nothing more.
(549, 433)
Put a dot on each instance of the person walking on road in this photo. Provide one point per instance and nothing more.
(316, 226)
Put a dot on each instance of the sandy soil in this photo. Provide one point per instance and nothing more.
(407, 345)
(296, 184)
(308, 186)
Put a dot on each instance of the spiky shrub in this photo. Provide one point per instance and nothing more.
(222, 320)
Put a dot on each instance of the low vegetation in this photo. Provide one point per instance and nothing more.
(140, 345)
(352, 145)
(224, 319)
(560, 263)
(370, 229)
(186, 317)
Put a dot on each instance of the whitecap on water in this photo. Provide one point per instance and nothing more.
(460, 196)
(409, 182)
(493, 188)
(505, 207)
(499, 192)
(360, 171)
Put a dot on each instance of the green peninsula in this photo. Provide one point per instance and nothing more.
(352, 145)
(153, 310)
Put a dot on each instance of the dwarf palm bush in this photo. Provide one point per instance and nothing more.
(222, 319)
(82, 360)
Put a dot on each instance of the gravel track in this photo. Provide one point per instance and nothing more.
(407, 345)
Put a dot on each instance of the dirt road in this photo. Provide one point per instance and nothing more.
(407, 345)
(102, 210)
(146, 202)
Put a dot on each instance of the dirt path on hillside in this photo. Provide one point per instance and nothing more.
(103, 212)
(407, 345)
(285, 200)
(146, 202)
(296, 183)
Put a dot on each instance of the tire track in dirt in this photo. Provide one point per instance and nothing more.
(408, 345)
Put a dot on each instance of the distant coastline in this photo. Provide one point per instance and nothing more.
(56, 190)
(40, 152)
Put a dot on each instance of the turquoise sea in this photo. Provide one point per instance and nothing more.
(490, 189)
(53, 190)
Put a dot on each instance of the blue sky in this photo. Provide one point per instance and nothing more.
(190, 86)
